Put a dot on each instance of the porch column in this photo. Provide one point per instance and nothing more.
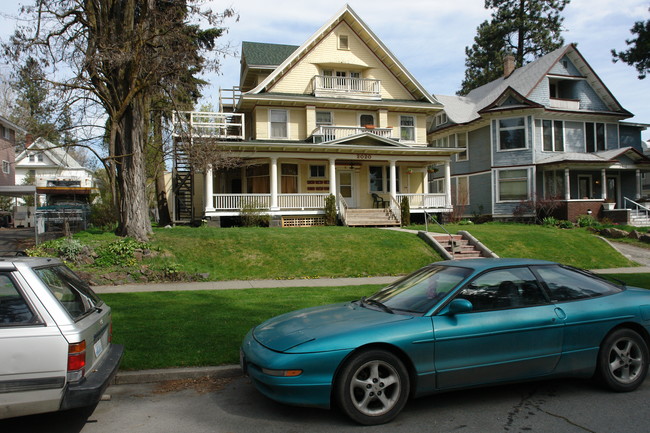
(638, 186)
(393, 180)
(274, 184)
(448, 183)
(425, 185)
(603, 180)
(333, 177)
(567, 185)
(209, 193)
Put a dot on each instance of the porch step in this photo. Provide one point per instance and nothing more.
(639, 219)
(370, 217)
(457, 246)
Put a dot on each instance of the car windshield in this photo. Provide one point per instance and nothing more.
(73, 294)
(422, 290)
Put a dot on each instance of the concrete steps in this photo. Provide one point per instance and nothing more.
(370, 218)
(639, 219)
(457, 246)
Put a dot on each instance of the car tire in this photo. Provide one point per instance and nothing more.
(623, 360)
(372, 387)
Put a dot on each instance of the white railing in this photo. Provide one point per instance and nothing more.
(638, 207)
(263, 201)
(239, 201)
(346, 87)
(302, 201)
(426, 201)
(396, 209)
(328, 133)
(343, 209)
(567, 104)
(228, 126)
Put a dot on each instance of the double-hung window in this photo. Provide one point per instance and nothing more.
(279, 121)
(407, 128)
(317, 171)
(512, 133)
(461, 142)
(513, 184)
(594, 136)
(553, 135)
(6, 167)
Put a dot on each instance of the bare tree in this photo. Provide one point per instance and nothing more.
(120, 55)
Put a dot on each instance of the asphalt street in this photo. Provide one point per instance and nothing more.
(232, 406)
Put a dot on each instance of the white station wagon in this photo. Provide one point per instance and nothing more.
(55, 339)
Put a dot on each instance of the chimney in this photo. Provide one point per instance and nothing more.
(508, 65)
(29, 139)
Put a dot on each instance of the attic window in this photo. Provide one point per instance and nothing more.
(343, 42)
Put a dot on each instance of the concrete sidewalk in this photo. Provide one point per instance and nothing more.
(242, 284)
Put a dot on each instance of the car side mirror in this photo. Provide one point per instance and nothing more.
(458, 306)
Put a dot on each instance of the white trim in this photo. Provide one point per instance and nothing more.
(498, 134)
(414, 127)
(366, 113)
(7, 164)
(497, 184)
(270, 124)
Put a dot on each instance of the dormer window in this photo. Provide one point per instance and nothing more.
(441, 119)
(343, 42)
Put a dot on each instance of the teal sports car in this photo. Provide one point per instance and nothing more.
(452, 325)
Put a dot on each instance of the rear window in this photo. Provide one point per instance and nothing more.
(73, 294)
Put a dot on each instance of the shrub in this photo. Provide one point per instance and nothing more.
(405, 211)
(119, 253)
(587, 221)
(550, 222)
(65, 248)
(253, 216)
(330, 210)
(564, 224)
(465, 222)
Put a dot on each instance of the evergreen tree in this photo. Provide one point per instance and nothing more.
(638, 55)
(526, 29)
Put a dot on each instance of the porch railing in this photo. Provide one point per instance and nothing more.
(343, 209)
(328, 133)
(232, 202)
(426, 201)
(346, 87)
(302, 201)
(229, 126)
(636, 206)
(396, 209)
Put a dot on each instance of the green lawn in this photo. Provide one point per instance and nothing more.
(286, 253)
(179, 329)
(575, 247)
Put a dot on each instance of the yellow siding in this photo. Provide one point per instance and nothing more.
(327, 55)
(420, 126)
(296, 125)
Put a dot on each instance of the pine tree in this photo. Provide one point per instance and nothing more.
(526, 29)
(638, 55)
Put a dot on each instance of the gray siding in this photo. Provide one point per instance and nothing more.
(480, 193)
(570, 69)
(589, 100)
(631, 137)
(512, 157)
(478, 143)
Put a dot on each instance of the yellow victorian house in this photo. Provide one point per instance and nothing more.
(337, 115)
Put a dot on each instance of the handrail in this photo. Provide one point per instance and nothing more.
(395, 209)
(452, 243)
(343, 208)
(638, 205)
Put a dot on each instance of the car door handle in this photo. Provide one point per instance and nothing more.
(560, 313)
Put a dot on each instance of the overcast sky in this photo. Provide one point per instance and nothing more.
(429, 37)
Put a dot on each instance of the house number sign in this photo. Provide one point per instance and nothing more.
(363, 156)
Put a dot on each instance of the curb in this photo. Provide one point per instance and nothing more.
(164, 374)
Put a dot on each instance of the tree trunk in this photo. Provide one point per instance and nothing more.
(130, 141)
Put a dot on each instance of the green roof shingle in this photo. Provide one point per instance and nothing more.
(262, 54)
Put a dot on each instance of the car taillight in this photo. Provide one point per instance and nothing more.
(76, 361)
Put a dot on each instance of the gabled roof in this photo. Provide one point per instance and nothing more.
(365, 139)
(57, 154)
(524, 80)
(346, 14)
(10, 124)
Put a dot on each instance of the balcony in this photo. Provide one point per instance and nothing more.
(565, 104)
(346, 87)
(328, 133)
(222, 126)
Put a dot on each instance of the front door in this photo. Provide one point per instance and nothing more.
(346, 187)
